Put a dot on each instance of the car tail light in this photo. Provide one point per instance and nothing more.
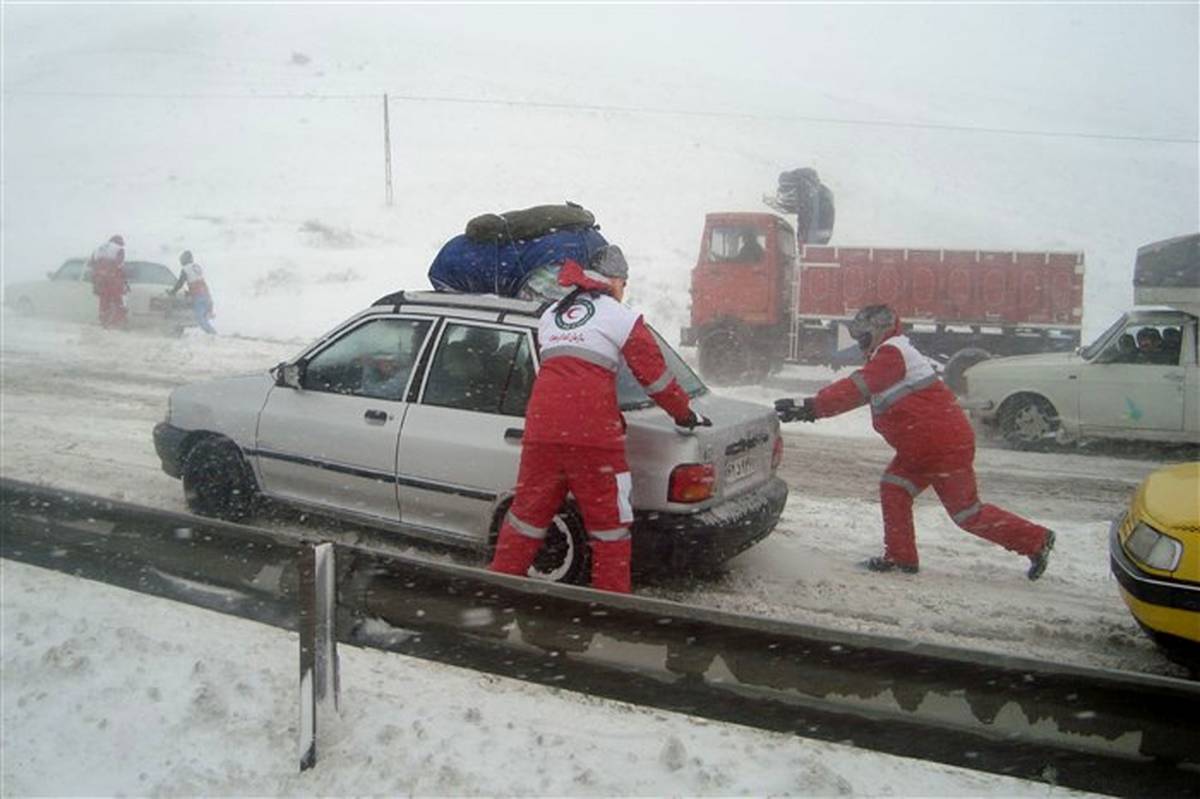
(692, 482)
(777, 453)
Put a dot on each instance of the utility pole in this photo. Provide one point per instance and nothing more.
(387, 153)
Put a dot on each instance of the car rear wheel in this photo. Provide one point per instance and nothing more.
(217, 481)
(565, 556)
(1028, 422)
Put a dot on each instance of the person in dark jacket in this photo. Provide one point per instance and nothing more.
(935, 445)
(574, 439)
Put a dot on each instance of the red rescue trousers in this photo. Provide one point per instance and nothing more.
(599, 480)
(951, 472)
(112, 307)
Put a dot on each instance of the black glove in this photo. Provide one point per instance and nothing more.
(693, 420)
(788, 411)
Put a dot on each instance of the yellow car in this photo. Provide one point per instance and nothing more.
(1155, 555)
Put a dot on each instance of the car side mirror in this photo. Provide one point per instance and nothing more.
(289, 375)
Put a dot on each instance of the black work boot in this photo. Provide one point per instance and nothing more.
(1038, 560)
(883, 564)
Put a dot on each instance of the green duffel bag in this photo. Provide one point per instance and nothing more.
(529, 223)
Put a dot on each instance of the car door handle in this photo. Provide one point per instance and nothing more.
(513, 434)
(375, 416)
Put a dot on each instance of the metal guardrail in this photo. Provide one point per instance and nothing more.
(1104, 731)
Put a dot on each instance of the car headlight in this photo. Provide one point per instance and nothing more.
(1151, 548)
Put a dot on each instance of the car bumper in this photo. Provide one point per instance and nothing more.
(1158, 603)
(682, 542)
(168, 443)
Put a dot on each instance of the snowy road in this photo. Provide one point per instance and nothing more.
(77, 406)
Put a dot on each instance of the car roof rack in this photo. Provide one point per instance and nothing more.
(485, 302)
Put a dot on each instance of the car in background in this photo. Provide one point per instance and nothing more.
(1108, 389)
(1154, 551)
(408, 417)
(66, 294)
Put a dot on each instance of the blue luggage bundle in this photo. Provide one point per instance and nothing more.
(498, 253)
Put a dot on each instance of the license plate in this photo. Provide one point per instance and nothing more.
(739, 469)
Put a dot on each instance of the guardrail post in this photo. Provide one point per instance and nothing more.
(319, 682)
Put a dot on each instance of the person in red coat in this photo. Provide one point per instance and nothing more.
(574, 437)
(935, 445)
(107, 265)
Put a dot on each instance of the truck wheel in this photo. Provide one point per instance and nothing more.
(959, 363)
(1028, 422)
(726, 360)
(217, 481)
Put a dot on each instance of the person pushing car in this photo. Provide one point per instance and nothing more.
(935, 445)
(574, 437)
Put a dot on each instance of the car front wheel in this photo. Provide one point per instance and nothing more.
(217, 481)
(1028, 422)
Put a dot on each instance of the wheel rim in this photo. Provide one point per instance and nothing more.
(1030, 423)
(557, 557)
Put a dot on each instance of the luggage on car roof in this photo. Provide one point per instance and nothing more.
(499, 251)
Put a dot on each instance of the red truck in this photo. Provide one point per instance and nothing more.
(761, 296)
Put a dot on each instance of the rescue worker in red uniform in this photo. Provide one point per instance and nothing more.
(574, 437)
(107, 265)
(935, 445)
(191, 275)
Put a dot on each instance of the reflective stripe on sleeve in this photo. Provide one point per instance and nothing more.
(881, 402)
(897, 480)
(966, 513)
(580, 353)
(524, 529)
(861, 382)
(661, 383)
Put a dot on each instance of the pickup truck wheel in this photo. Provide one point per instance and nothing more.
(958, 364)
(1028, 422)
(565, 556)
(217, 481)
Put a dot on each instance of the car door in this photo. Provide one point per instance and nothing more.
(1126, 388)
(68, 294)
(461, 442)
(332, 442)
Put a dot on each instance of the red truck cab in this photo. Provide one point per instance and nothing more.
(741, 292)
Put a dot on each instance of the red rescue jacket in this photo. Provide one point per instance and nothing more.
(574, 398)
(910, 406)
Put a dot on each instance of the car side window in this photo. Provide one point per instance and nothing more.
(375, 360)
(482, 369)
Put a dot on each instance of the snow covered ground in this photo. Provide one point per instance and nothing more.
(252, 136)
(108, 693)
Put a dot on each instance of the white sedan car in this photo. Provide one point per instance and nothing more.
(409, 416)
(1138, 380)
(66, 294)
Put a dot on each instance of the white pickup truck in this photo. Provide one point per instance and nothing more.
(1139, 380)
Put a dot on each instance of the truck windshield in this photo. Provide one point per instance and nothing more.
(741, 243)
(631, 396)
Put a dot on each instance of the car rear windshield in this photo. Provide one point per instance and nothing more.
(630, 394)
(148, 272)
